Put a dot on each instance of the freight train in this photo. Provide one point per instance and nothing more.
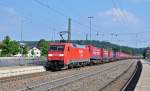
(61, 55)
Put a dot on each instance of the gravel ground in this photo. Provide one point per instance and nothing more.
(83, 85)
(96, 82)
(118, 84)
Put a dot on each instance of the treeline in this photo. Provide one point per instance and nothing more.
(108, 45)
(43, 44)
(9, 47)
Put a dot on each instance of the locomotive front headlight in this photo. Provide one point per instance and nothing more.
(61, 54)
(50, 54)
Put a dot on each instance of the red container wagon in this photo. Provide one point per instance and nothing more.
(96, 54)
(110, 55)
(118, 57)
(121, 55)
(61, 55)
(124, 55)
(127, 56)
(105, 55)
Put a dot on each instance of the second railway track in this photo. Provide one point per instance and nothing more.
(54, 80)
(62, 81)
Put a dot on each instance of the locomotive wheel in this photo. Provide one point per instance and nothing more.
(83, 64)
(70, 66)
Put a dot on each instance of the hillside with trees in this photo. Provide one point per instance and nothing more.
(43, 44)
(10, 47)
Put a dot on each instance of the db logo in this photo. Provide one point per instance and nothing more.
(81, 53)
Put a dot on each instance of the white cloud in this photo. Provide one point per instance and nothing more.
(8, 10)
(119, 20)
(139, 1)
(11, 10)
(118, 15)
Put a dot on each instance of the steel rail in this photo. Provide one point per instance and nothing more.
(118, 76)
(66, 80)
(26, 76)
(20, 77)
(130, 79)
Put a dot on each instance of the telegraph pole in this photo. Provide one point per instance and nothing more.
(21, 30)
(136, 44)
(90, 17)
(69, 29)
(119, 46)
(118, 42)
(112, 34)
(86, 37)
(21, 36)
(21, 39)
(54, 36)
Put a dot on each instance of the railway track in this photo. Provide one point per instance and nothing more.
(20, 77)
(132, 81)
(66, 80)
(26, 76)
(52, 80)
(63, 81)
(120, 82)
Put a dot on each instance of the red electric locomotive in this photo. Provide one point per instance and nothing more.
(62, 55)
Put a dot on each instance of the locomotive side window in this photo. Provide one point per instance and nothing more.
(56, 48)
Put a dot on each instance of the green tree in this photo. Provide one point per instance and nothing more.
(44, 49)
(6, 40)
(9, 47)
(43, 46)
(13, 47)
(40, 43)
(32, 52)
(6, 49)
(25, 49)
(1, 46)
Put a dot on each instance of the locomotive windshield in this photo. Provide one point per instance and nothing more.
(56, 48)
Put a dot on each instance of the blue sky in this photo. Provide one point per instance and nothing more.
(125, 18)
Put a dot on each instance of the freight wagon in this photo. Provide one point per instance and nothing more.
(95, 54)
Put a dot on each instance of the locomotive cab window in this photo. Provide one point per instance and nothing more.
(56, 48)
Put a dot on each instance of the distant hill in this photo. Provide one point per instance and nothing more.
(101, 44)
(108, 45)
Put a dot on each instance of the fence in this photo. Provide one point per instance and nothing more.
(15, 61)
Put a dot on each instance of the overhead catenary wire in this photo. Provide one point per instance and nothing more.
(118, 12)
(94, 29)
(123, 12)
(66, 16)
(60, 13)
(125, 18)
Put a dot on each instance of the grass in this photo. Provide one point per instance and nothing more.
(147, 60)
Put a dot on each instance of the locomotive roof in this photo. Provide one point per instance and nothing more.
(72, 44)
(59, 43)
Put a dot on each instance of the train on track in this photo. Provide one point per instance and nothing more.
(70, 55)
